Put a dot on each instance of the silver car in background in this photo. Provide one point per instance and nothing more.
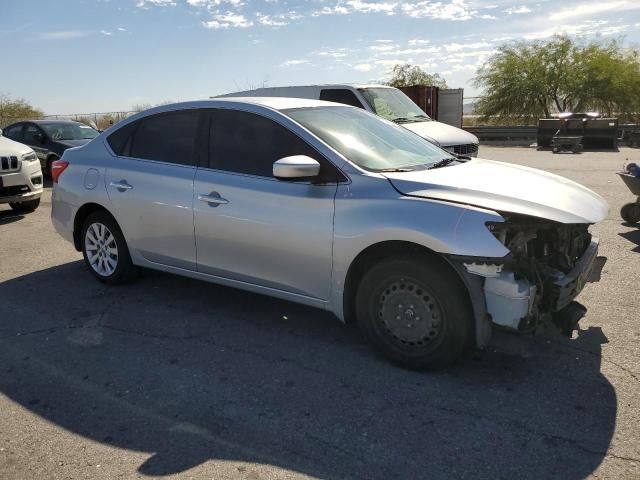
(333, 207)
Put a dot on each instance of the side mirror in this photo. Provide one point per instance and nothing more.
(296, 166)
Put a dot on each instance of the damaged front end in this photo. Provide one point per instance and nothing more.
(548, 265)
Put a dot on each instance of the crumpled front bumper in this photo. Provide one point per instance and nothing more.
(568, 287)
(511, 300)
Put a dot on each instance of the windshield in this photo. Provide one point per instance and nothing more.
(69, 131)
(392, 104)
(369, 141)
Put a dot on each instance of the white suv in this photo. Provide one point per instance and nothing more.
(20, 176)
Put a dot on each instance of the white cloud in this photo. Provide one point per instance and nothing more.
(368, 7)
(587, 9)
(226, 20)
(517, 9)
(155, 3)
(278, 20)
(64, 35)
(363, 67)
(294, 62)
(337, 53)
(455, 10)
(106, 32)
(122, 29)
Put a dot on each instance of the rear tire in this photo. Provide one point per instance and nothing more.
(50, 160)
(105, 250)
(415, 312)
(25, 207)
(630, 213)
(555, 149)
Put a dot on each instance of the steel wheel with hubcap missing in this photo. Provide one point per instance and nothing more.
(101, 249)
(415, 310)
(409, 314)
(105, 250)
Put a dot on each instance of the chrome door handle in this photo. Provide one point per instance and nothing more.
(122, 185)
(213, 199)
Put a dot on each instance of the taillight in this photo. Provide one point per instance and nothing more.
(57, 168)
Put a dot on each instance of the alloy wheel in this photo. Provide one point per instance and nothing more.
(101, 249)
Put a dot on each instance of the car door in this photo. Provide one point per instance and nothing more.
(150, 185)
(258, 229)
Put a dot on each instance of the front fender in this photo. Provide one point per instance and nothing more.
(362, 221)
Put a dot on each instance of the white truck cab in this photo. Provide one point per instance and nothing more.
(20, 176)
(387, 102)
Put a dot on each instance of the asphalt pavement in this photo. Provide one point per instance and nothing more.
(175, 378)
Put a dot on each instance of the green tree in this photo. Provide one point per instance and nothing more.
(14, 109)
(405, 75)
(528, 80)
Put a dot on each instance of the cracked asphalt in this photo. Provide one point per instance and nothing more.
(175, 378)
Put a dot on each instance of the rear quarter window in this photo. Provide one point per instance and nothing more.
(120, 140)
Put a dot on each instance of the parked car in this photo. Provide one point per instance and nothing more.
(20, 176)
(333, 207)
(50, 138)
(388, 102)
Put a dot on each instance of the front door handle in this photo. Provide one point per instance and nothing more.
(213, 199)
(121, 186)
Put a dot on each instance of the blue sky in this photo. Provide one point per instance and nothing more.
(68, 56)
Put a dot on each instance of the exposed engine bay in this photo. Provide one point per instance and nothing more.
(547, 267)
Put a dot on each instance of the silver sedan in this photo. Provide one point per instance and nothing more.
(333, 207)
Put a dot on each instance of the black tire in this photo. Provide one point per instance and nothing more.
(630, 213)
(124, 270)
(555, 149)
(25, 207)
(47, 169)
(432, 290)
(576, 148)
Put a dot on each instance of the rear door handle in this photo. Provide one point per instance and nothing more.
(121, 186)
(213, 199)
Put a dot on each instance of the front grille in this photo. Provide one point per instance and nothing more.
(13, 190)
(467, 149)
(9, 164)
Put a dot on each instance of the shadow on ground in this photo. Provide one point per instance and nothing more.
(633, 236)
(188, 372)
(9, 216)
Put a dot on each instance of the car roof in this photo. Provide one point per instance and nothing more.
(275, 103)
(53, 122)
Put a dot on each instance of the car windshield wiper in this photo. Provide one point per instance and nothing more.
(389, 170)
(405, 120)
(442, 163)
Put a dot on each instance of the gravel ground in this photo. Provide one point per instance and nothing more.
(175, 378)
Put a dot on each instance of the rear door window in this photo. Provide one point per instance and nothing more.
(340, 95)
(165, 137)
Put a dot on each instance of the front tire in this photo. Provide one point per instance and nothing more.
(415, 312)
(105, 250)
(25, 207)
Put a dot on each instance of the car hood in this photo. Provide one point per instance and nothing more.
(505, 187)
(9, 147)
(73, 143)
(444, 134)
